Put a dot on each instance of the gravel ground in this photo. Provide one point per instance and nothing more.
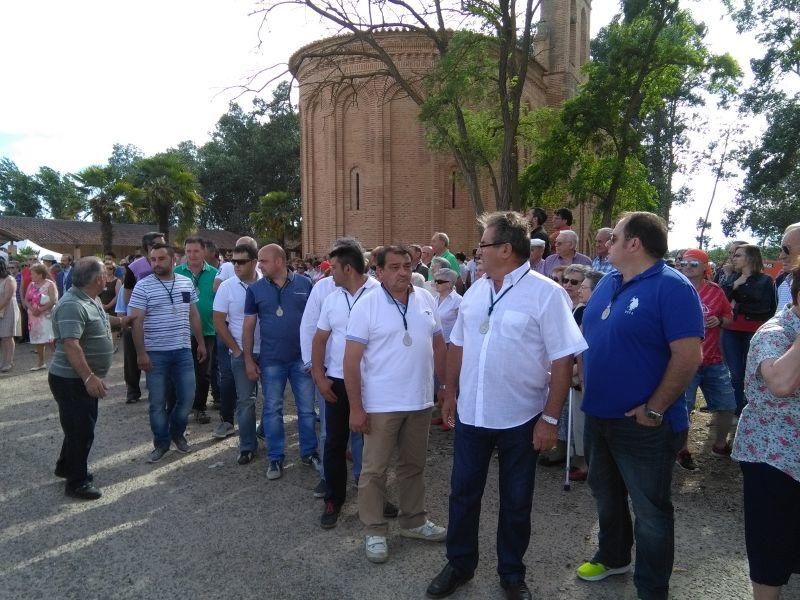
(200, 526)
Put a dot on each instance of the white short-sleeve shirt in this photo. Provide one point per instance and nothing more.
(395, 377)
(334, 317)
(308, 324)
(447, 310)
(505, 373)
(229, 299)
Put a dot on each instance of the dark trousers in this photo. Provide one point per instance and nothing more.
(337, 434)
(130, 366)
(202, 371)
(628, 459)
(227, 384)
(77, 411)
(472, 454)
(735, 346)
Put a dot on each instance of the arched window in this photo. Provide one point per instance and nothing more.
(355, 189)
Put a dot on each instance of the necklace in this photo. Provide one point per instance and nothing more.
(169, 292)
(347, 299)
(484, 328)
(279, 312)
(407, 341)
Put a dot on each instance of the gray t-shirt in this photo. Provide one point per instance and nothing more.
(80, 317)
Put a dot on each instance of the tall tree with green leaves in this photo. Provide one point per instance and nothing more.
(107, 198)
(645, 63)
(165, 191)
(769, 199)
(277, 218)
(63, 197)
(18, 191)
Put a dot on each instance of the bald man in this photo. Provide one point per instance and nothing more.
(276, 303)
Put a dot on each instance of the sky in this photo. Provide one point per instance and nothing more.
(79, 76)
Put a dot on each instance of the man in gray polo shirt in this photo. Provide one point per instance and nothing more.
(82, 358)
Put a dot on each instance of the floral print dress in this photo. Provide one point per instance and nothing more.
(769, 428)
(40, 327)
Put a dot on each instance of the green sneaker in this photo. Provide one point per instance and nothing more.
(590, 571)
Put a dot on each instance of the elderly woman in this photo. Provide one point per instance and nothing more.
(571, 281)
(767, 446)
(447, 300)
(9, 317)
(40, 298)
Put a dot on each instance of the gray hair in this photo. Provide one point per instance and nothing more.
(442, 263)
(442, 237)
(605, 232)
(580, 269)
(447, 274)
(570, 235)
(417, 280)
(85, 270)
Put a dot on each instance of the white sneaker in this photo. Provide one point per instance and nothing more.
(427, 531)
(377, 549)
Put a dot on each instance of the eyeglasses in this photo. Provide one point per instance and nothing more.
(483, 245)
(556, 279)
(567, 280)
(613, 239)
(438, 281)
(786, 250)
(242, 261)
(690, 263)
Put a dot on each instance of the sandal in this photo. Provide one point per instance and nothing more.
(38, 368)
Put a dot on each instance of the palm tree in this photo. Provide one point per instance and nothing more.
(107, 198)
(277, 217)
(166, 192)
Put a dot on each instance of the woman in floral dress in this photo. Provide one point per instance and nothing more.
(40, 298)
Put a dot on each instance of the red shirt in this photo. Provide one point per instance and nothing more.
(715, 304)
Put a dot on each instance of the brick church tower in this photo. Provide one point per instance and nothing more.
(365, 169)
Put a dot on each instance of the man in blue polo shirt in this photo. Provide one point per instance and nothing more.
(276, 302)
(644, 327)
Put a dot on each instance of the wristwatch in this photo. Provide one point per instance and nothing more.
(549, 419)
(653, 415)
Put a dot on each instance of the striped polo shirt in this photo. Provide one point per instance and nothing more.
(80, 317)
(166, 306)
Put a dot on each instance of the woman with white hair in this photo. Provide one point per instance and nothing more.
(447, 300)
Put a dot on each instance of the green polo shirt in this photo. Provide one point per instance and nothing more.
(204, 284)
(82, 318)
(451, 258)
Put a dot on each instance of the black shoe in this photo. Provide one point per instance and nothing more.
(246, 457)
(202, 417)
(390, 511)
(60, 473)
(330, 516)
(517, 591)
(132, 399)
(446, 582)
(85, 491)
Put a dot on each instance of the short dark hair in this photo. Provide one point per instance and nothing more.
(210, 246)
(380, 255)
(565, 214)
(650, 229)
(246, 249)
(195, 240)
(111, 254)
(168, 247)
(540, 215)
(147, 239)
(510, 227)
(349, 252)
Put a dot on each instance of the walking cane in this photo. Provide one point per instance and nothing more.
(569, 440)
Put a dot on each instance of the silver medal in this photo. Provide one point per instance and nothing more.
(606, 312)
(407, 339)
(279, 312)
(484, 328)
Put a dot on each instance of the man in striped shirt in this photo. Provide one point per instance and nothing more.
(601, 262)
(164, 314)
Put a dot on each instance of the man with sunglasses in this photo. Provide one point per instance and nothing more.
(228, 320)
(713, 377)
(790, 252)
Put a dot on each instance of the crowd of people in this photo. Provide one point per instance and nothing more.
(528, 355)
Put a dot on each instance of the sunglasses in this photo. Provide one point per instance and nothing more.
(242, 261)
(567, 280)
(689, 263)
(786, 250)
(438, 281)
(556, 279)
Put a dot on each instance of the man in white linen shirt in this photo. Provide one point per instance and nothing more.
(511, 354)
(396, 333)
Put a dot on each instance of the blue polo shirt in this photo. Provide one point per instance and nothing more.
(280, 335)
(629, 351)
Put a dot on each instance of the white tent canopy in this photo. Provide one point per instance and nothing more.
(36, 247)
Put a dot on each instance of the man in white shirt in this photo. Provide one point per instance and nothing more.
(393, 341)
(327, 358)
(511, 354)
(228, 321)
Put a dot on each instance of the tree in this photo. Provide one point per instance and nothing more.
(277, 217)
(63, 197)
(249, 154)
(508, 28)
(165, 191)
(702, 237)
(769, 199)
(18, 193)
(107, 199)
(123, 158)
(649, 61)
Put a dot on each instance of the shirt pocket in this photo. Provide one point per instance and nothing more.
(513, 324)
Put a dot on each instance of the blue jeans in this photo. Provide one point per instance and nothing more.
(626, 458)
(227, 385)
(246, 395)
(273, 382)
(323, 432)
(735, 345)
(173, 369)
(715, 382)
(472, 454)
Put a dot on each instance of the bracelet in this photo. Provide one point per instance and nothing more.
(85, 381)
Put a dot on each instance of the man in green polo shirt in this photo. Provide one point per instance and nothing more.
(202, 275)
(84, 349)
(440, 243)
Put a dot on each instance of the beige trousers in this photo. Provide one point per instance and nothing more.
(408, 431)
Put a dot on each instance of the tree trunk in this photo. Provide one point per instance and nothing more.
(106, 233)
